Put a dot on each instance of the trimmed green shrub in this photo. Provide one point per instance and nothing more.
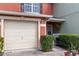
(47, 42)
(68, 41)
(1, 44)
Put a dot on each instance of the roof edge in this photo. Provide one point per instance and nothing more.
(25, 14)
(56, 20)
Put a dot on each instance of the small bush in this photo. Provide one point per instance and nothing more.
(47, 42)
(69, 41)
(1, 44)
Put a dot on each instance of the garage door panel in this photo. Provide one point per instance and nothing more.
(19, 35)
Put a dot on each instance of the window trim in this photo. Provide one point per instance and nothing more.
(32, 7)
(22, 9)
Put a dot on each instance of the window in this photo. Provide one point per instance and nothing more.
(27, 7)
(36, 7)
(49, 29)
(31, 7)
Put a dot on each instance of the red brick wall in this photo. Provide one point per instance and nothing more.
(42, 30)
(10, 6)
(47, 8)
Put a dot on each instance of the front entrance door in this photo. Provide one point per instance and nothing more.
(49, 29)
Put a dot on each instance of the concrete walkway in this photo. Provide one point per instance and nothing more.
(57, 51)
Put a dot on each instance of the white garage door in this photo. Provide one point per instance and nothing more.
(20, 35)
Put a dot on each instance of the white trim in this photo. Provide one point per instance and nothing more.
(24, 14)
(45, 28)
(55, 20)
(32, 7)
(2, 27)
(43, 25)
(19, 18)
(39, 30)
(38, 36)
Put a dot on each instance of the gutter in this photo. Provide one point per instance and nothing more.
(24, 14)
(52, 19)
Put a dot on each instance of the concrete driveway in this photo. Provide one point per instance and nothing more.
(57, 51)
